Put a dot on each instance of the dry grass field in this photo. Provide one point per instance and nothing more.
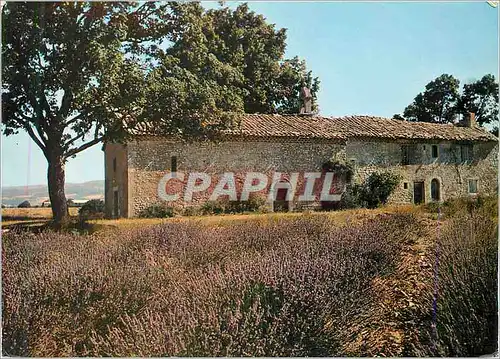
(29, 215)
(39, 216)
(346, 283)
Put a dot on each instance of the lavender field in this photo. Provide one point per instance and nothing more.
(298, 286)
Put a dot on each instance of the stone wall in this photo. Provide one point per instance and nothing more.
(142, 163)
(369, 156)
(149, 159)
(116, 179)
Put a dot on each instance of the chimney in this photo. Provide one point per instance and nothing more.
(306, 97)
(470, 121)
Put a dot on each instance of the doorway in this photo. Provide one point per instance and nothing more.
(281, 203)
(435, 190)
(115, 204)
(418, 192)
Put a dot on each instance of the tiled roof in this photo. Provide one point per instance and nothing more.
(259, 125)
(342, 128)
(369, 126)
(298, 126)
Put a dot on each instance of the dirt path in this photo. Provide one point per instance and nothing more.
(391, 327)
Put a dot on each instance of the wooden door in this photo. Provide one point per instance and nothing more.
(418, 192)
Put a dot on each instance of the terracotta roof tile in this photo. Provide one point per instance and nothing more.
(286, 126)
(342, 128)
(370, 126)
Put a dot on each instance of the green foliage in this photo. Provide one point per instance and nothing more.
(24, 204)
(240, 52)
(352, 197)
(225, 206)
(441, 101)
(437, 103)
(378, 188)
(73, 71)
(373, 192)
(481, 97)
(92, 208)
(156, 211)
(345, 170)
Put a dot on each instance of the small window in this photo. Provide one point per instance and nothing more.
(473, 186)
(405, 185)
(466, 153)
(434, 151)
(114, 164)
(405, 155)
(173, 164)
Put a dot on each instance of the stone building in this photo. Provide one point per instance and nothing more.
(435, 162)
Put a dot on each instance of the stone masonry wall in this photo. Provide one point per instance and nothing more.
(369, 156)
(150, 158)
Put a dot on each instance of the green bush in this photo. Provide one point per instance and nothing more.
(372, 193)
(378, 187)
(351, 198)
(92, 208)
(24, 204)
(156, 211)
(224, 206)
(191, 211)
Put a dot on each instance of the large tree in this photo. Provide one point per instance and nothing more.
(437, 103)
(75, 73)
(480, 97)
(442, 101)
(245, 54)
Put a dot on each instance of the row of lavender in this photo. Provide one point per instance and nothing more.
(277, 287)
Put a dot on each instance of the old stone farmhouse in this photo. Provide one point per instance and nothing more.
(436, 162)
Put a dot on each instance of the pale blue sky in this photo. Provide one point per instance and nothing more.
(371, 57)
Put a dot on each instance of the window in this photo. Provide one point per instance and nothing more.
(114, 164)
(435, 195)
(405, 185)
(473, 186)
(173, 164)
(405, 155)
(434, 151)
(466, 153)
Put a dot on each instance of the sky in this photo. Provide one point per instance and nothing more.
(372, 58)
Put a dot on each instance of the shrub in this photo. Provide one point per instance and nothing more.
(345, 170)
(255, 203)
(93, 208)
(191, 211)
(454, 206)
(156, 211)
(24, 204)
(378, 187)
(373, 192)
(351, 198)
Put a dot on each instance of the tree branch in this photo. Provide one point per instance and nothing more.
(74, 119)
(83, 147)
(35, 138)
(65, 103)
(39, 129)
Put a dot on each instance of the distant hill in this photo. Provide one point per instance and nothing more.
(36, 194)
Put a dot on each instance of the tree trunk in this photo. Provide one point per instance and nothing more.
(56, 179)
